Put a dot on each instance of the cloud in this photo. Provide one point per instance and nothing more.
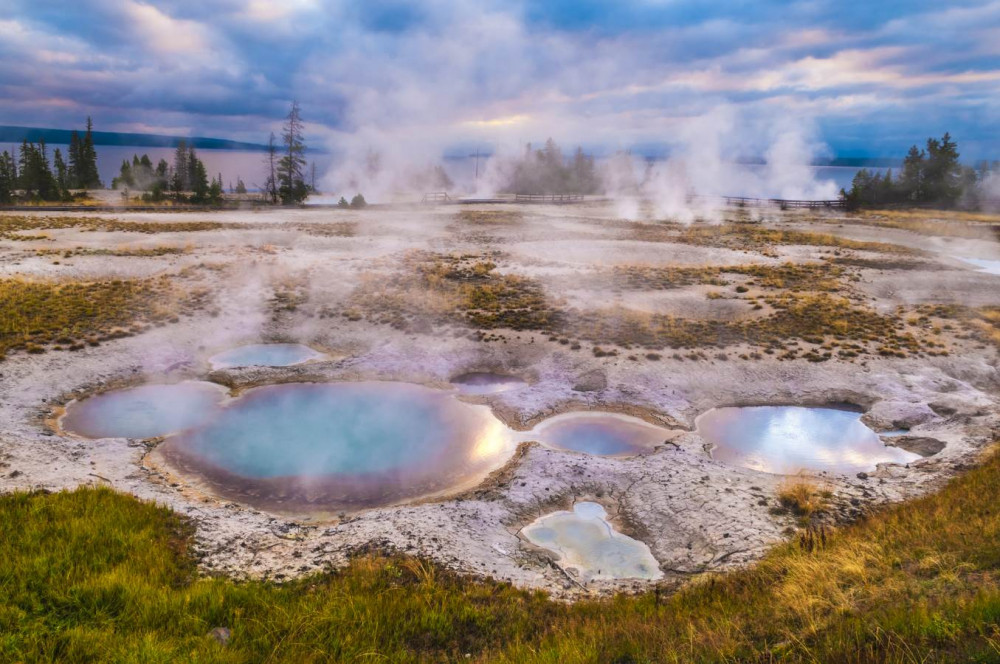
(458, 72)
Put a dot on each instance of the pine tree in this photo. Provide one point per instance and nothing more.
(36, 178)
(8, 178)
(62, 171)
(942, 171)
(912, 179)
(199, 178)
(90, 176)
(75, 161)
(182, 176)
(292, 187)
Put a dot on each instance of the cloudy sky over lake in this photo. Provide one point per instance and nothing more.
(864, 78)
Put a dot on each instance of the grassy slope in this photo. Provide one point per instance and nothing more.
(92, 575)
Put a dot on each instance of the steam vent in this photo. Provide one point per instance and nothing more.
(579, 332)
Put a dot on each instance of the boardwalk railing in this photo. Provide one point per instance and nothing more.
(436, 197)
(783, 203)
(548, 198)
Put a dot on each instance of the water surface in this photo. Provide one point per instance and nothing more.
(984, 265)
(482, 382)
(342, 445)
(144, 412)
(605, 434)
(588, 544)
(792, 439)
(264, 355)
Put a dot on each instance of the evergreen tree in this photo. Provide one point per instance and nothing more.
(8, 178)
(241, 187)
(90, 178)
(215, 191)
(124, 179)
(292, 187)
(75, 161)
(181, 180)
(912, 179)
(35, 176)
(62, 171)
(942, 171)
(199, 178)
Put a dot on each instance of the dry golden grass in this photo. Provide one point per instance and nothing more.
(933, 222)
(18, 227)
(131, 252)
(802, 497)
(463, 288)
(40, 315)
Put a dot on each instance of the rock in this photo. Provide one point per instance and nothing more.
(862, 476)
(921, 445)
(221, 635)
(592, 381)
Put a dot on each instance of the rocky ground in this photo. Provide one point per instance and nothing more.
(550, 294)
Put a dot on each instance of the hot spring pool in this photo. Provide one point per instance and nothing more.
(984, 265)
(264, 355)
(144, 412)
(481, 382)
(792, 439)
(587, 543)
(604, 434)
(335, 446)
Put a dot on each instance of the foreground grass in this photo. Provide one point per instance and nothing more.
(91, 575)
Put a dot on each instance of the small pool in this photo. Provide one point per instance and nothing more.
(984, 265)
(335, 446)
(144, 412)
(792, 439)
(264, 355)
(605, 434)
(481, 382)
(586, 543)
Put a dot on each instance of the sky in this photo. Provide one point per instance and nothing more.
(859, 78)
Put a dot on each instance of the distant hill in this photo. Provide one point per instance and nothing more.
(10, 134)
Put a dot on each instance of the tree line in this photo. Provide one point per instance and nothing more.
(186, 174)
(29, 176)
(548, 171)
(931, 176)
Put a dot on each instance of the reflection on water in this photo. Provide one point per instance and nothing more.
(144, 412)
(480, 382)
(342, 445)
(606, 434)
(987, 266)
(587, 543)
(791, 439)
(264, 355)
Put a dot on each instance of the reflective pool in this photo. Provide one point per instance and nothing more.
(144, 412)
(792, 439)
(341, 445)
(585, 542)
(605, 434)
(264, 355)
(987, 266)
(481, 382)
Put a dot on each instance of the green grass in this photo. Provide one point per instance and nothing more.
(91, 575)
